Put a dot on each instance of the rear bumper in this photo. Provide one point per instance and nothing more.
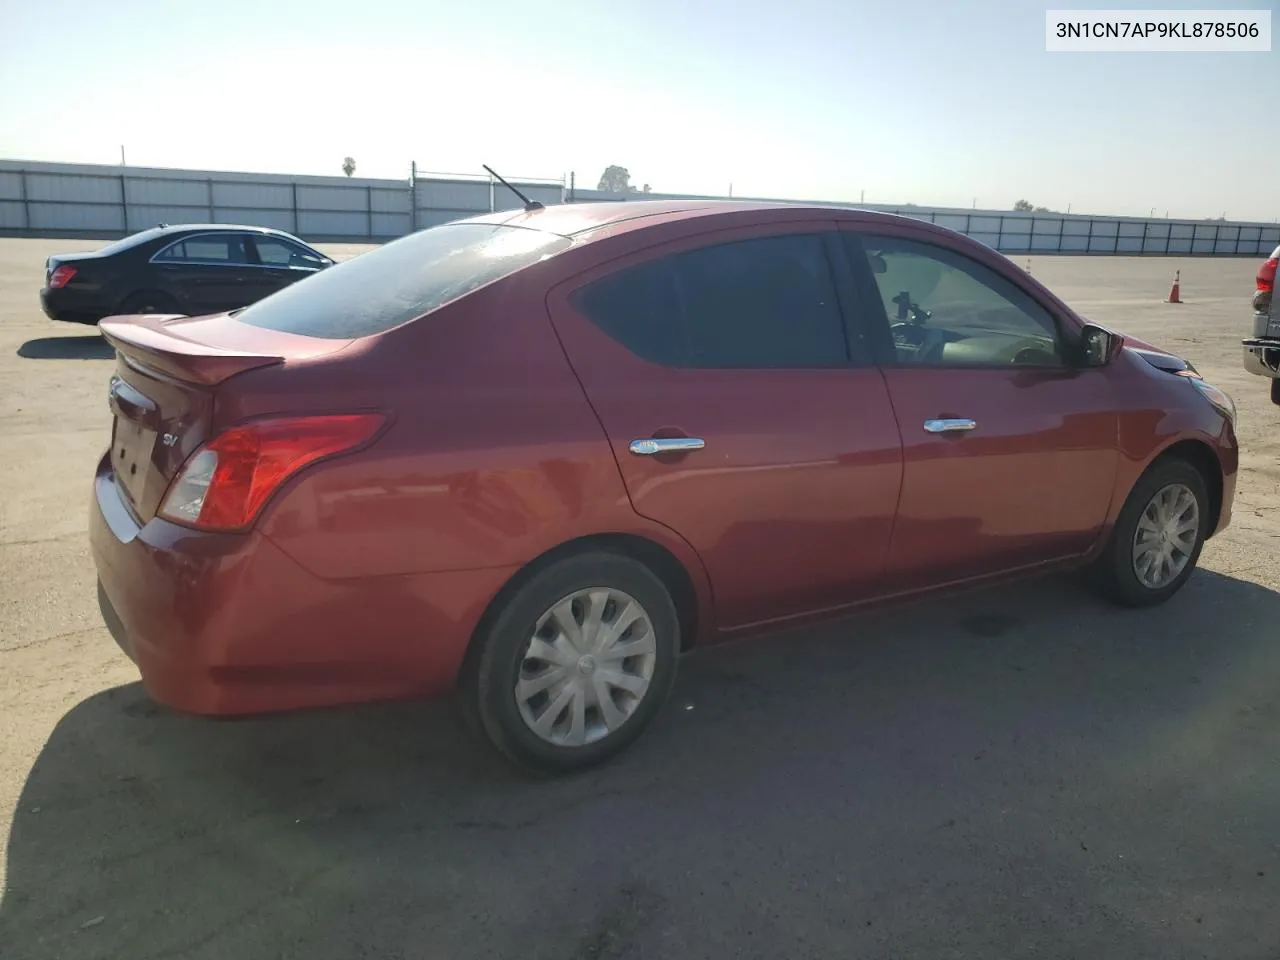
(70, 306)
(229, 624)
(1262, 356)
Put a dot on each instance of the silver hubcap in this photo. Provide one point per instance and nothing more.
(1166, 536)
(587, 667)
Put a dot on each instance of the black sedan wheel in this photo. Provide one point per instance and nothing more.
(149, 301)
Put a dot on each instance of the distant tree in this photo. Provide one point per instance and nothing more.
(1023, 206)
(615, 179)
(645, 189)
(349, 166)
(1043, 210)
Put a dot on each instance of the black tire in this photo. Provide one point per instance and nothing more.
(488, 686)
(1114, 573)
(149, 301)
(1275, 392)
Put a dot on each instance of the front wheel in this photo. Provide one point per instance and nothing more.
(1275, 392)
(1158, 536)
(576, 664)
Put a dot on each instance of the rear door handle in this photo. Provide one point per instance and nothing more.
(948, 425)
(652, 445)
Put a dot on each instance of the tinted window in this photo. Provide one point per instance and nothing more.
(131, 241)
(277, 252)
(206, 248)
(393, 284)
(769, 302)
(943, 308)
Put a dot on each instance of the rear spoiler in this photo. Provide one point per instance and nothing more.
(144, 340)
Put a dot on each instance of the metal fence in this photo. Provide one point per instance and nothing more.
(1047, 233)
(83, 200)
(53, 199)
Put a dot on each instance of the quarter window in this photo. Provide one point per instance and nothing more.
(760, 303)
(943, 308)
(206, 249)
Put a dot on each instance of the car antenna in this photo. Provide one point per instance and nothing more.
(529, 205)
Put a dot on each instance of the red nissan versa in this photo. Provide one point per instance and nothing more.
(535, 455)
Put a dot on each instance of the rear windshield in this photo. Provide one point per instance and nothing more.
(131, 241)
(391, 285)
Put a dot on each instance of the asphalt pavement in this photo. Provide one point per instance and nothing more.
(1022, 772)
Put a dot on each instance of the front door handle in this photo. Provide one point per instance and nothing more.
(948, 425)
(652, 445)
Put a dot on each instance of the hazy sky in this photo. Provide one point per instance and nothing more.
(925, 101)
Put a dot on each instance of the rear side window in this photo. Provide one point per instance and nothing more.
(227, 248)
(761, 303)
(391, 285)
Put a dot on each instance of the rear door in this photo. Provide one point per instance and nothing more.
(210, 272)
(741, 414)
(1010, 450)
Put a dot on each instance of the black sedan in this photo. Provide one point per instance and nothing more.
(191, 269)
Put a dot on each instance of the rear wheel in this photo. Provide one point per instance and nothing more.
(1158, 536)
(576, 664)
(1275, 392)
(149, 301)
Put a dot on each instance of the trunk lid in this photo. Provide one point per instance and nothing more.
(71, 259)
(170, 372)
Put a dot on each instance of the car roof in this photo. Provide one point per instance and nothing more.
(167, 229)
(575, 219)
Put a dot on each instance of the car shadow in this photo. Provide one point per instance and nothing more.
(88, 347)
(876, 786)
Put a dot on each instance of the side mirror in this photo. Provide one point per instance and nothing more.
(1098, 346)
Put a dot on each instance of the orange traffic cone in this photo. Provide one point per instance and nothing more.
(1174, 293)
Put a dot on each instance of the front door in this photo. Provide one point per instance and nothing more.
(279, 264)
(1010, 450)
(741, 414)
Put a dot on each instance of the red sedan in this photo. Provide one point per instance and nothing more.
(535, 455)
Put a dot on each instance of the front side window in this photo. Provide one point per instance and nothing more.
(760, 303)
(211, 248)
(276, 252)
(945, 309)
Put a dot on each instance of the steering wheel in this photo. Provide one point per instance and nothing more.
(907, 331)
(1036, 357)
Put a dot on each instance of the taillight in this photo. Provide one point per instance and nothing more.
(1267, 275)
(227, 480)
(60, 276)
